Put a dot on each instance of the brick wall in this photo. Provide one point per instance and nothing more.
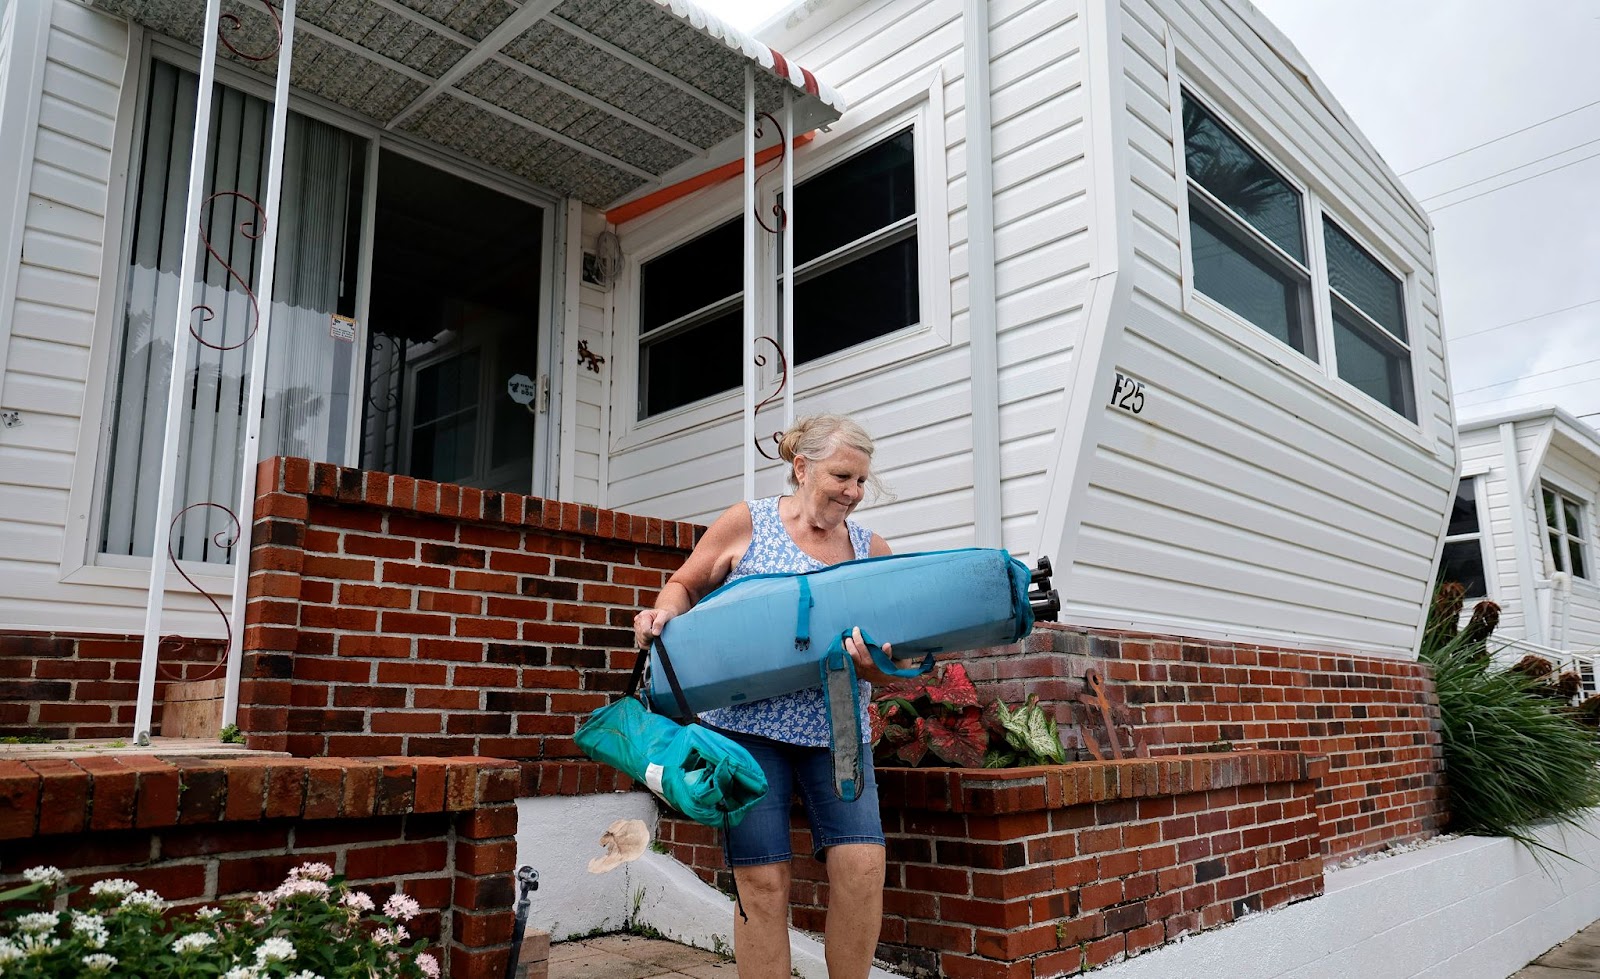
(1054, 871)
(202, 830)
(1375, 719)
(79, 686)
(390, 615)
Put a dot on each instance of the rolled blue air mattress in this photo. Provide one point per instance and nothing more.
(764, 635)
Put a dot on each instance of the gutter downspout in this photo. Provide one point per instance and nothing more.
(1533, 624)
(982, 343)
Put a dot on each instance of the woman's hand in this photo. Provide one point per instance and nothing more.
(866, 669)
(647, 625)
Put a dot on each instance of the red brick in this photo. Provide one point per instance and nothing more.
(392, 859)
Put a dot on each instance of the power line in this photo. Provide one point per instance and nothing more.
(1519, 394)
(1526, 319)
(1524, 377)
(1497, 139)
(1513, 183)
(1519, 166)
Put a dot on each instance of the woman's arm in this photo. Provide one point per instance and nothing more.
(707, 567)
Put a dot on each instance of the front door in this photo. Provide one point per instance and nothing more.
(453, 336)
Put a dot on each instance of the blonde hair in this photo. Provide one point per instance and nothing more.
(816, 437)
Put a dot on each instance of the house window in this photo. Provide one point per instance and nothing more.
(1462, 560)
(308, 370)
(1566, 531)
(691, 321)
(1370, 344)
(1249, 253)
(855, 250)
(1247, 231)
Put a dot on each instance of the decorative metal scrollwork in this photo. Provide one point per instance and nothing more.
(224, 539)
(251, 229)
(783, 382)
(231, 22)
(783, 151)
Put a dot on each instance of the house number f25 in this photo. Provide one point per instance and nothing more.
(1127, 394)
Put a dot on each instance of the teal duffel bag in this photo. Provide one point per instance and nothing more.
(752, 638)
(698, 772)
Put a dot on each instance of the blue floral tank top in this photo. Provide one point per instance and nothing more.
(798, 718)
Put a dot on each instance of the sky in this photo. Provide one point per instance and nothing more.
(1517, 221)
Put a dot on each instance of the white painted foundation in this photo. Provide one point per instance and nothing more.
(558, 836)
(1471, 908)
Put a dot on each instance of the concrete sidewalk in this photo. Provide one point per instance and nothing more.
(633, 957)
(1576, 958)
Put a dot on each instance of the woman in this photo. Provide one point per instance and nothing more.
(830, 467)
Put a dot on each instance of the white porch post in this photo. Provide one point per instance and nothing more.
(180, 371)
(258, 367)
(748, 350)
(788, 258)
(983, 343)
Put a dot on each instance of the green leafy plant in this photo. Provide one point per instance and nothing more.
(231, 734)
(1514, 756)
(312, 927)
(938, 718)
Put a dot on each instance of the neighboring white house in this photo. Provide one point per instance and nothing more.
(1177, 327)
(1522, 532)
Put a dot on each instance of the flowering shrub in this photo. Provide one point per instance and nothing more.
(312, 927)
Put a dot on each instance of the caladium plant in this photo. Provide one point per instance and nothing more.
(938, 719)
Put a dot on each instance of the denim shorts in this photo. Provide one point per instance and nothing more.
(762, 837)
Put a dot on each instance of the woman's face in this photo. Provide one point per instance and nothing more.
(830, 488)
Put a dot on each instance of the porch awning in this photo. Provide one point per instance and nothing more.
(599, 99)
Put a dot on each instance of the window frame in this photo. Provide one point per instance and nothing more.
(1585, 539)
(1491, 589)
(1320, 373)
(81, 561)
(917, 104)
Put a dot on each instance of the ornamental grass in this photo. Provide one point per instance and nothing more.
(1515, 757)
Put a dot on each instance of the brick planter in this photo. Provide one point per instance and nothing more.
(1034, 872)
(199, 830)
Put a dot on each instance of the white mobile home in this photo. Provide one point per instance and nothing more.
(1522, 532)
(1114, 281)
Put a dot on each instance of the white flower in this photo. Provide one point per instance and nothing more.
(429, 965)
(116, 887)
(383, 937)
(92, 927)
(274, 950)
(358, 901)
(37, 923)
(311, 871)
(143, 901)
(208, 914)
(305, 974)
(39, 945)
(100, 962)
(402, 907)
(242, 972)
(295, 887)
(10, 951)
(192, 942)
(45, 875)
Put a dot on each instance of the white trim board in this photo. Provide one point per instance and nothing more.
(22, 91)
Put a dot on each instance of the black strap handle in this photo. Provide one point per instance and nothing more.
(672, 678)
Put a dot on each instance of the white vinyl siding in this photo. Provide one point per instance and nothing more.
(1576, 474)
(1251, 498)
(590, 429)
(59, 292)
(919, 408)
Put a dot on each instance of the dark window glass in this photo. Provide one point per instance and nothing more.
(1462, 562)
(853, 303)
(852, 199)
(1575, 550)
(1372, 366)
(1221, 164)
(692, 276)
(692, 364)
(1564, 525)
(1238, 277)
(1364, 282)
(1464, 513)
